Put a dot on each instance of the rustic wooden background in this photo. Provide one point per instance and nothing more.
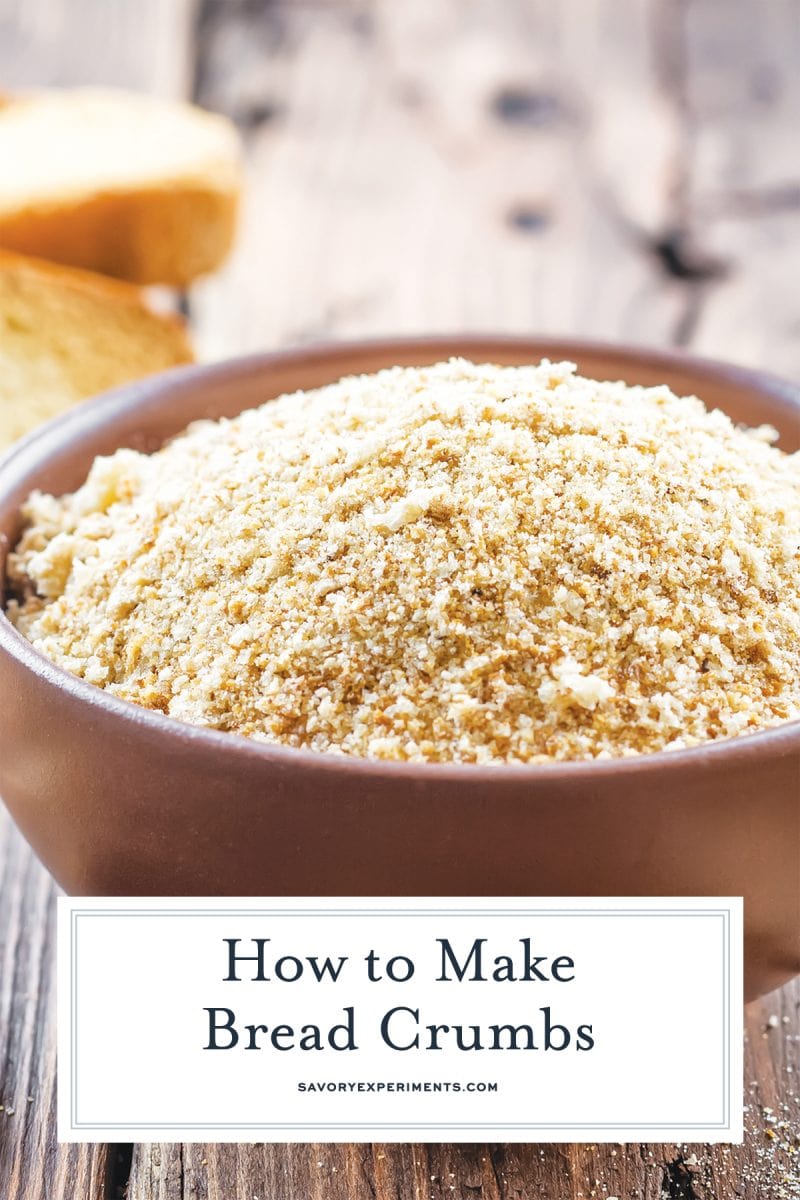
(626, 169)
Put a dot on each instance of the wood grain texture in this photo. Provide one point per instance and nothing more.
(31, 1166)
(626, 171)
(622, 171)
(742, 97)
(470, 161)
(68, 43)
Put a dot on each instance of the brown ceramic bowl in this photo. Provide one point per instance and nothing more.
(118, 800)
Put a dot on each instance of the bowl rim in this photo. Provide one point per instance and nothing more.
(105, 409)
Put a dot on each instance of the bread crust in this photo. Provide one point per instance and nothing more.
(118, 291)
(156, 236)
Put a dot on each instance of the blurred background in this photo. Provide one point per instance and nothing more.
(624, 169)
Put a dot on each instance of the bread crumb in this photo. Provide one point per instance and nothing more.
(453, 563)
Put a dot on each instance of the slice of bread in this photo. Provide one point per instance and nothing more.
(126, 184)
(66, 335)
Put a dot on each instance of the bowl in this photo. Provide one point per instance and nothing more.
(119, 800)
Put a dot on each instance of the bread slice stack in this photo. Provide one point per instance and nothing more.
(129, 185)
(113, 184)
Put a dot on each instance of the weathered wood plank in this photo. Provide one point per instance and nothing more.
(31, 1167)
(743, 104)
(466, 155)
(67, 43)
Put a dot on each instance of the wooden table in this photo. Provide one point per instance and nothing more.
(625, 169)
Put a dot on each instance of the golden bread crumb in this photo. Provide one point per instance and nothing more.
(453, 563)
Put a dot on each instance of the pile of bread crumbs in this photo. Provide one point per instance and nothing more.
(453, 563)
